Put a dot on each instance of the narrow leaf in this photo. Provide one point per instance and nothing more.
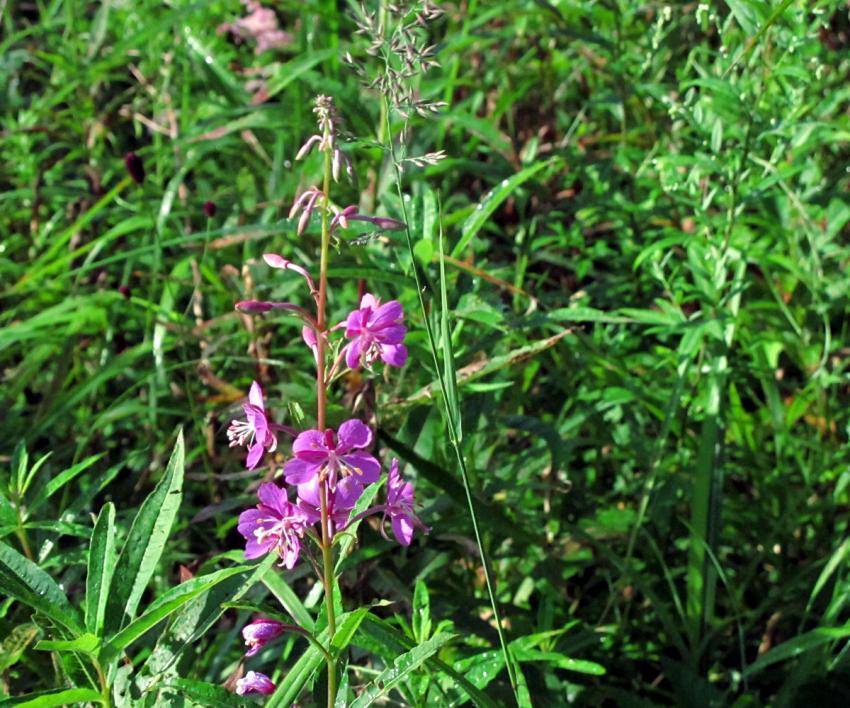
(491, 202)
(100, 566)
(145, 543)
(60, 697)
(166, 605)
(390, 677)
(23, 580)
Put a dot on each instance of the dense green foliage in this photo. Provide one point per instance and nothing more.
(643, 214)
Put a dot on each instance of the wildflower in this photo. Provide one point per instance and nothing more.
(331, 457)
(260, 25)
(400, 507)
(259, 632)
(377, 331)
(340, 502)
(255, 682)
(210, 209)
(275, 524)
(135, 167)
(256, 431)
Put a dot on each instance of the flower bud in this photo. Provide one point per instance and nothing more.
(255, 682)
(209, 209)
(135, 167)
(124, 290)
(260, 632)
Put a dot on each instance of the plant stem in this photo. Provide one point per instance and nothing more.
(321, 414)
(453, 424)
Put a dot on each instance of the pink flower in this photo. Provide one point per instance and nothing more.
(400, 507)
(256, 431)
(259, 632)
(340, 502)
(332, 457)
(255, 682)
(274, 525)
(260, 25)
(377, 331)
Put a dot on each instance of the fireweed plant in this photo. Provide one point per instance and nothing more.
(329, 468)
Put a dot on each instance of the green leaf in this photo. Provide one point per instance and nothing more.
(16, 643)
(145, 544)
(797, 646)
(23, 580)
(390, 677)
(491, 202)
(86, 643)
(206, 694)
(287, 598)
(59, 481)
(421, 611)
(379, 637)
(100, 567)
(59, 697)
(164, 606)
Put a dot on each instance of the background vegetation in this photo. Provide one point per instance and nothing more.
(645, 218)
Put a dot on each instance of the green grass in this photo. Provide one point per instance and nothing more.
(644, 212)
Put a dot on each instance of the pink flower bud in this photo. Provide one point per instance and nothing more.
(255, 682)
(259, 632)
(135, 167)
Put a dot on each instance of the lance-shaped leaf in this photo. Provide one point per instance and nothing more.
(166, 605)
(100, 567)
(390, 677)
(145, 544)
(23, 580)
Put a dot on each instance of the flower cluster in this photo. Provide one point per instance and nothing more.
(329, 468)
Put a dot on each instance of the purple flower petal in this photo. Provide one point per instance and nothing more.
(363, 467)
(255, 454)
(352, 353)
(391, 334)
(273, 496)
(353, 433)
(255, 682)
(402, 529)
(255, 395)
(300, 471)
(348, 491)
(370, 301)
(394, 354)
(387, 314)
(309, 446)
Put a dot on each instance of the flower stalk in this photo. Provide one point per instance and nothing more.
(321, 403)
